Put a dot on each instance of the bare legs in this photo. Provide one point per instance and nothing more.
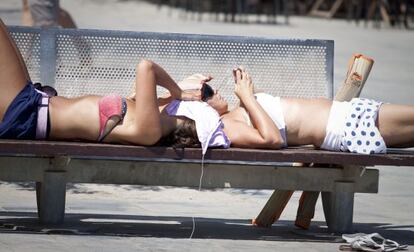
(27, 19)
(396, 124)
(13, 72)
(147, 115)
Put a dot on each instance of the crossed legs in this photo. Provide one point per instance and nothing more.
(13, 72)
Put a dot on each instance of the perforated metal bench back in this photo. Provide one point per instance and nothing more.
(100, 62)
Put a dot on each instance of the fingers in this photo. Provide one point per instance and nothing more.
(235, 75)
(241, 68)
(244, 75)
(206, 79)
(235, 70)
(240, 73)
(248, 77)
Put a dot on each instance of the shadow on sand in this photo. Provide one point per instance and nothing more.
(181, 227)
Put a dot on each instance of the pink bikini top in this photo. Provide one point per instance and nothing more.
(110, 107)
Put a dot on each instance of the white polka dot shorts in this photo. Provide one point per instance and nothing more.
(361, 134)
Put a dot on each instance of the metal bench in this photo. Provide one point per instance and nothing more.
(80, 62)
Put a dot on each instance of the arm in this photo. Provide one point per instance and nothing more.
(268, 135)
(190, 87)
(243, 136)
(192, 83)
(163, 79)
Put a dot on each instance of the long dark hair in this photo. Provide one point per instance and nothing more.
(185, 135)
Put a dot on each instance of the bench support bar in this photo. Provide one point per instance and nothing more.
(269, 214)
(306, 209)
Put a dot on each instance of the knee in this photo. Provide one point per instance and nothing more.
(145, 65)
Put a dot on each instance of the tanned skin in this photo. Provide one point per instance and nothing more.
(78, 119)
(305, 119)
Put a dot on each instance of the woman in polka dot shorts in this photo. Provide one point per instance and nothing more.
(367, 126)
(360, 126)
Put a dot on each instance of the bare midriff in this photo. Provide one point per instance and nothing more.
(306, 120)
(78, 119)
(74, 119)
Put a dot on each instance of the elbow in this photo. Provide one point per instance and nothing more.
(274, 143)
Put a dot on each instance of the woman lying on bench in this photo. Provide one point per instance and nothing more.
(27, 113)
(263, 121)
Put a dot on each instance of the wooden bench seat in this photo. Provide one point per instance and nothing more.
(307, 154)
(53, 164)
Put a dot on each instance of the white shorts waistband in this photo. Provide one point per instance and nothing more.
(335, 126)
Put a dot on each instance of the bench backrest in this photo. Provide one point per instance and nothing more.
(81, 62)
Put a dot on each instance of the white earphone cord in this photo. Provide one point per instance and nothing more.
(199, 189)
(228, 79)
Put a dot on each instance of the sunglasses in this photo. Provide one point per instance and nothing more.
(206, 92)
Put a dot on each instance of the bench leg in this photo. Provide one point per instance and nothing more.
(341, 208)
(326, 203)
(306, 209)
(51, 194)
(273, 208)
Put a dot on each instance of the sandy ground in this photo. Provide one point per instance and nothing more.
(135, 218)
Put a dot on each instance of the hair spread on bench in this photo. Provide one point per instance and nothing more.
(185, 135)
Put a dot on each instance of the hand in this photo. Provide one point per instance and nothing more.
(195, 81)
(243, 86)
(190, 95)
(206, 79)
